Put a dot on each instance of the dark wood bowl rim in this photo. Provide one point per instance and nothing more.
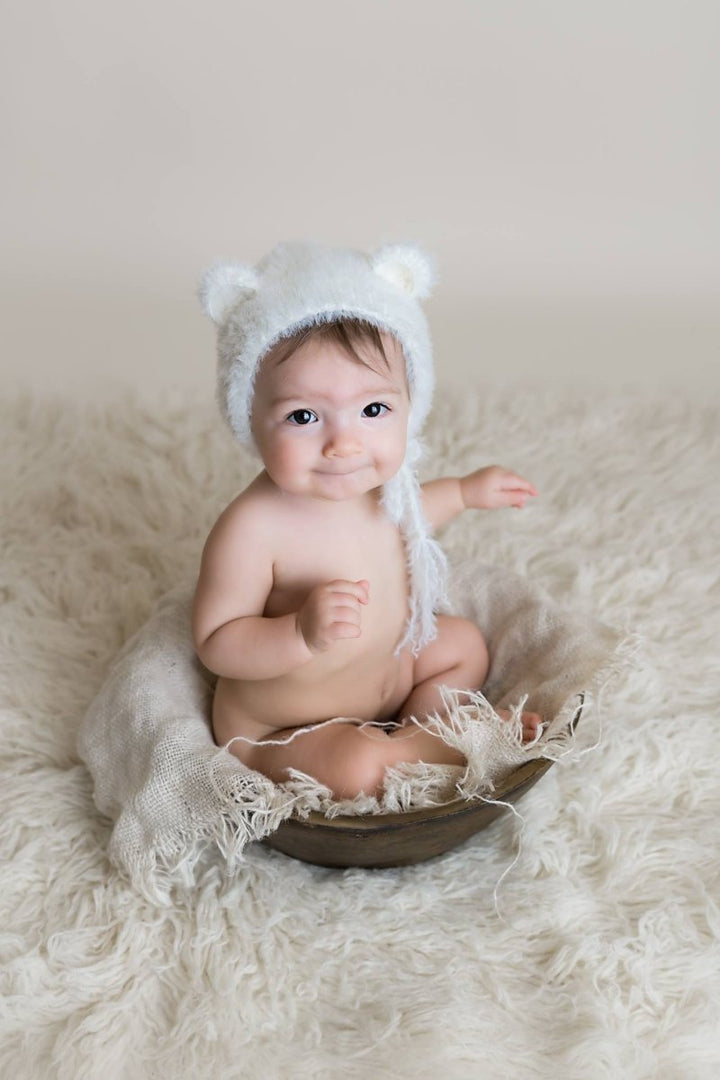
(504, 790)
(406, 818)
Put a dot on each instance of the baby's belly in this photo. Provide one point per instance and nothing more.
(370, 687)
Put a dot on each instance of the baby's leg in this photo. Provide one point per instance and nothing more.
(458, 659)
(349, 757)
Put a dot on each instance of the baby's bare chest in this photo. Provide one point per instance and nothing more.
(361, 676)
(308, 556)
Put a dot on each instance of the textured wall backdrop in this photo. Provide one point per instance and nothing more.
(559, 159)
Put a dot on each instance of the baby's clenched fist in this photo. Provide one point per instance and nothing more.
(332, 612)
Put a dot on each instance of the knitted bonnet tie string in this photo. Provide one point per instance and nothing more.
(426, 561)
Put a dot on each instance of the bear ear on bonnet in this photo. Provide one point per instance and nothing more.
(222, 286)
(406, 267)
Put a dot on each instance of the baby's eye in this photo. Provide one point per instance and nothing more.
(375, 408)
(302, 417)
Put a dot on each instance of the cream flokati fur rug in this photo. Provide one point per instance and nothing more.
(601, 959)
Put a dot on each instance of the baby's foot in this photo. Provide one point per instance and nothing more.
(531, 723)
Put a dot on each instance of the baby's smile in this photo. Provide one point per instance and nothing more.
(347, 471)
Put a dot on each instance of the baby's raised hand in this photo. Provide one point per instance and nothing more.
(331, 612)
(494, 487)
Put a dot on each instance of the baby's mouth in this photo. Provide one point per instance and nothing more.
(340, 472)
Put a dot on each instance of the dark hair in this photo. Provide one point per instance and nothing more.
(350, 334)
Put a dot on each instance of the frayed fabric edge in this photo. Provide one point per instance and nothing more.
(255, 807)
(471, 723)
(252, 809)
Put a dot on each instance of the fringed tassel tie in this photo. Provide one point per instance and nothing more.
(427, 564)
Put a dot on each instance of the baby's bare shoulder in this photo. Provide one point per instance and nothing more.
(236, 569)
(250, 515)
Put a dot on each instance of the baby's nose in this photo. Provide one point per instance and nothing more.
(342, 444)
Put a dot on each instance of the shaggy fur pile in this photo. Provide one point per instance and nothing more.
(596, 956)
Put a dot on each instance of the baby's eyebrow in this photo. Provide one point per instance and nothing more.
(385, 391)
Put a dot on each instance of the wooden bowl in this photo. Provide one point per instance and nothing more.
(381, 840)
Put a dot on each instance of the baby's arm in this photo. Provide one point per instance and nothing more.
(232, 637)
(484, 489)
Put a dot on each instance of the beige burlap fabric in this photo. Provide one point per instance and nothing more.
(174, 795)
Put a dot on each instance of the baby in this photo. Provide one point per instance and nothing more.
(308, 606)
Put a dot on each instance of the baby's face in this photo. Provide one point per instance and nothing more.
(328, 427)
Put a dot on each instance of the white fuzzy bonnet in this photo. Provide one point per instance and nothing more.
(300, 284)
(303, 284)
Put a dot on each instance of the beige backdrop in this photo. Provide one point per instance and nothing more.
(559, 159)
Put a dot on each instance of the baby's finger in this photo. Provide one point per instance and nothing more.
(346, 613)
(344, 602)
(511, 498)
(512, 482)
(344, 630)
(364, 584)
(356, 589)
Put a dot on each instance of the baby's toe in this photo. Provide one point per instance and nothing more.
(531, 726)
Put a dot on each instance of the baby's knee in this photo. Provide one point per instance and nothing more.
(470, 649)
(471, 637)
(360, 767)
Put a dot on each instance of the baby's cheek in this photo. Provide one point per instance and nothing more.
(291, 457)
(395, 451)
